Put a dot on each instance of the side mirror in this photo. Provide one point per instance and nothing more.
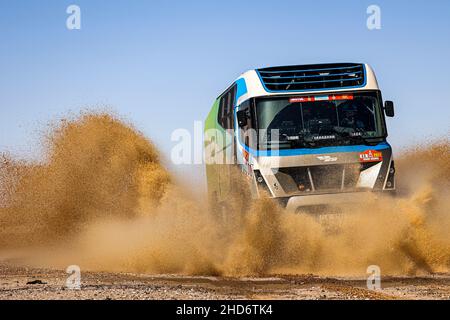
(242, 118)
(389, 108)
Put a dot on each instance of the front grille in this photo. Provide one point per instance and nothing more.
(327, 177)
(334, 177)
(313, 77)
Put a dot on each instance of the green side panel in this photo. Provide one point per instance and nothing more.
(218, 174)
(211, 119)
(212, 170)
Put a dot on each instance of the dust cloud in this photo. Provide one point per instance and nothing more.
(101, 199)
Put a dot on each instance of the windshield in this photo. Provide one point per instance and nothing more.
(320, 120)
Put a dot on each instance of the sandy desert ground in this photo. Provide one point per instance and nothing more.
(32, 283)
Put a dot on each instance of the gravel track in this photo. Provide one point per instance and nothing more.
(17, 283)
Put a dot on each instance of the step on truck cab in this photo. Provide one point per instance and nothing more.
(305, 135)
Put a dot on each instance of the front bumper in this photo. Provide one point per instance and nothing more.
(295, 202)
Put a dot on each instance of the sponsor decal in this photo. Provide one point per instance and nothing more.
(245, 156)
(322, 98)
(341, 97)
(327, 137)
(370, 156)
(327, 158)
(302, 99)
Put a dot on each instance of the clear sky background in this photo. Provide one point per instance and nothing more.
(161, 64)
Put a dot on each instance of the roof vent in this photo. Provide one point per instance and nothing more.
(313, 77)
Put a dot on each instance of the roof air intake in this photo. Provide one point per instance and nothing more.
(313, 77)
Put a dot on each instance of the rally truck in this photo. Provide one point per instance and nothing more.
(305, 135)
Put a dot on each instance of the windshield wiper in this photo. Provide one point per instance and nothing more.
(294, 141)
(302, 141)
(360, 139)
(307, 141)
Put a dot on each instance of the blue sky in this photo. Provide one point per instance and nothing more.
(160, 64)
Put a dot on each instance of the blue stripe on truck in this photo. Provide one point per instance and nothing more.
(304, 151)
(241, 88)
